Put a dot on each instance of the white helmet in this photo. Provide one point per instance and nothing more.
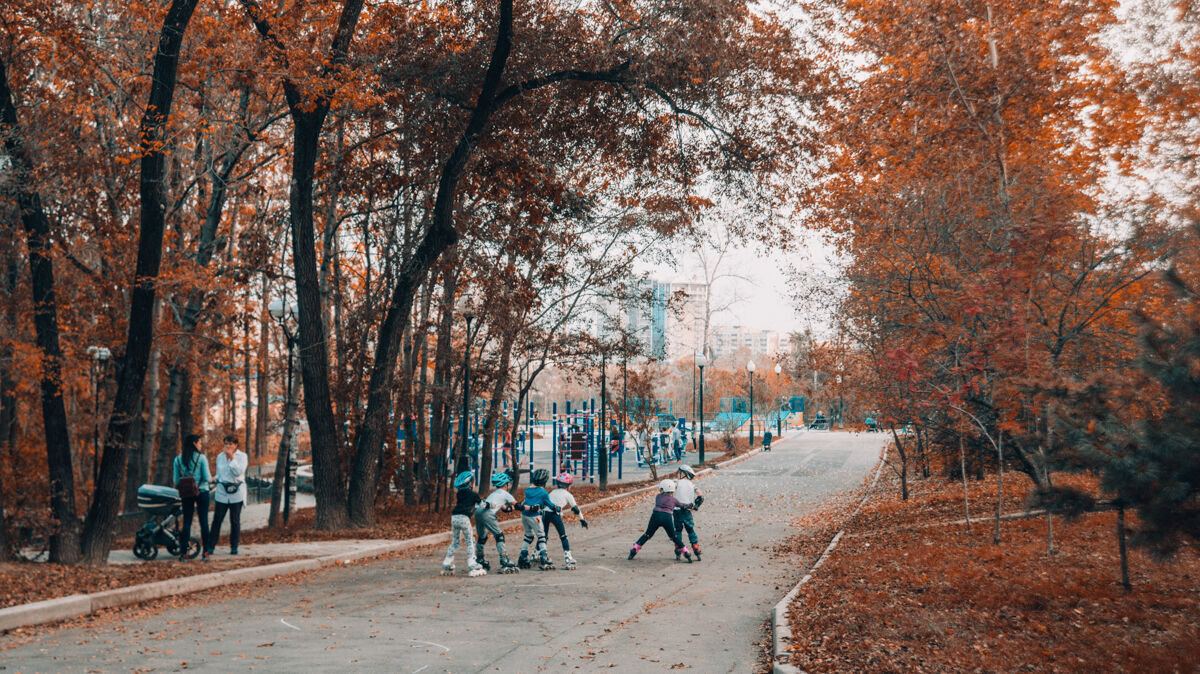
(667, 486)
(687, 470)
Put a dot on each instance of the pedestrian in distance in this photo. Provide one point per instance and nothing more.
(460, 526)
(229, 494)
(500, 500)
(767, 441)
(563, 499)
(691, 498)
(192, 479)
(661, 518)
(537, 501)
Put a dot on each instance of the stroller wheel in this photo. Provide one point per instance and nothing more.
(144, 549)
(193, 548)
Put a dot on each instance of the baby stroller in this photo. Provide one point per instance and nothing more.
(164, 508)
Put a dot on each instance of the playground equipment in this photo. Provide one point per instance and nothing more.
(789, 415)
(734, 414)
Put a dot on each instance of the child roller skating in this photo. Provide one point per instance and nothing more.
(562, 499)
(485, 522)
(460, 526)
(536, 501)
(664, 504)
(687, 494)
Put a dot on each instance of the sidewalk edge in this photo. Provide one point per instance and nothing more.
(781, 629)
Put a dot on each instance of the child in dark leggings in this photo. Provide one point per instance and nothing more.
(664, 504)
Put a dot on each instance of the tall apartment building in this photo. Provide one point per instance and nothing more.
(726, 339)
(671, 324)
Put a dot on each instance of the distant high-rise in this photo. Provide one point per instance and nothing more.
(670, 325)
(724, 340)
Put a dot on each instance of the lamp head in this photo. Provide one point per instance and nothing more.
(100, 354)
(751, 367)
(778, 368)
(280, 309)
(701, 360)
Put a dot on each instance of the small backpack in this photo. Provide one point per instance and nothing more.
(187, 484)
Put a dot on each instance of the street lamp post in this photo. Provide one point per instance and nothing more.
(283, 311)
(100, 356)
(779, 413)
(750, 367)
(701, 361)
(602, 453)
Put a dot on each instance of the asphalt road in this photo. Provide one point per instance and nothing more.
(399, 615)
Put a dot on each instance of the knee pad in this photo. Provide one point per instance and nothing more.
(562, 537)
(500, 537)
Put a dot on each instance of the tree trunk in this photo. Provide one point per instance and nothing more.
(328, 479)
(290, 415)
(150, 436)
(8, 392)
(405, 420)
(999, 486)
(440, 236)
(187, 418)
(1121, 544)
(962, 460)
(262, 387)
(442, 392)
(308, 116)
(64, 543)
(141, 459)
(246, 391)
(903, 464)
(101, 519)
(518, 409)
(924, 451)
(493, 412)
(169, 444)
(424, 435)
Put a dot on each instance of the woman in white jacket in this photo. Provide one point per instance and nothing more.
(229, 493)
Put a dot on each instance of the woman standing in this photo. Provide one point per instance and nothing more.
(230, 493)
(192, 479)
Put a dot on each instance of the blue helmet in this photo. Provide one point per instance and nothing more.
(464, 478)
(501, 479)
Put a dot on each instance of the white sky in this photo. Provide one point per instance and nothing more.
(766, 300)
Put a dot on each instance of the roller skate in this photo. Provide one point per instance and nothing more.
(523, 560)
(568, 561)
(475, 570)
(508, 567)
(696, 550)
(545, 563)
(687, 556)
(634, 550)
(483, 563)
(447, 567)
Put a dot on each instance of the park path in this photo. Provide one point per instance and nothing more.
(397, 614)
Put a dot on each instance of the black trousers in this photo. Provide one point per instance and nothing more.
(662, 521)
(554, 518)
(235, 524)
(196, 506)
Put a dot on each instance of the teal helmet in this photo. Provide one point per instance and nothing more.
(464, 478)
(501, 479)
(539, 477)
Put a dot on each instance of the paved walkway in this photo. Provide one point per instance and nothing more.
(648, 614)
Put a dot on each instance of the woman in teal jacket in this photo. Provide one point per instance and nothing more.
(192, 462)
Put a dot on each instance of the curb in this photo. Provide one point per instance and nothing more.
(74, 606)
(781, 629)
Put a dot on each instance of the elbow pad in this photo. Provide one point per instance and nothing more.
(575, 509)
